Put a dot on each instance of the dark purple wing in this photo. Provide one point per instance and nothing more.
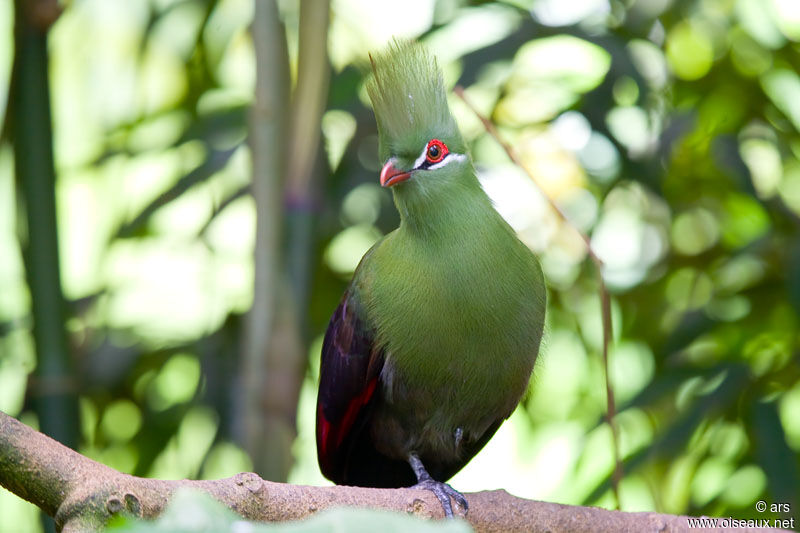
(349, 373)
(349, 393)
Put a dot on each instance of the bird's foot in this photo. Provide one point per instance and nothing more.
(444, 492)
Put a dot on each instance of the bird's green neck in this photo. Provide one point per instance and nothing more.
(435, 212)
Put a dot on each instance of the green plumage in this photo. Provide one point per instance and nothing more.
(433, 343)
(456, 300)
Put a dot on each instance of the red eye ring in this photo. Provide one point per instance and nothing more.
(435, 151)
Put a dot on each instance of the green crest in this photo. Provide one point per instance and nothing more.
(408, 97)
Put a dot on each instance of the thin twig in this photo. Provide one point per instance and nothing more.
(605, 301)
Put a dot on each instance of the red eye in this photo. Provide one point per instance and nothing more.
(436, 151)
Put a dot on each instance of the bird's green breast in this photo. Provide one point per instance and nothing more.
(459, 312)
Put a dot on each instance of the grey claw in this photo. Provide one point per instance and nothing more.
(444, 492)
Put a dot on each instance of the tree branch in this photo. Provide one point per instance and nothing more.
(82, 495)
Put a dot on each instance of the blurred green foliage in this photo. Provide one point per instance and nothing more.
(668, 130)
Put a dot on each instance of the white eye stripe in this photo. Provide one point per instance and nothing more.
(450, 156)
(421, 158)
(447, 159)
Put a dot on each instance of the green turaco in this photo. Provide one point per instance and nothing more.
(434, 341)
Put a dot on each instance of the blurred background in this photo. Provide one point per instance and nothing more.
(169, 260)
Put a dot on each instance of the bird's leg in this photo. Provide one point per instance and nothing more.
(442, 490)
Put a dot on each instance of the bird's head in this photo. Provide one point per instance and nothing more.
(420, 147)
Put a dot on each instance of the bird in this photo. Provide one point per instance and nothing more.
(435, 338)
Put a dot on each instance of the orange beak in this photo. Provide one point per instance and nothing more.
(392, 176)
